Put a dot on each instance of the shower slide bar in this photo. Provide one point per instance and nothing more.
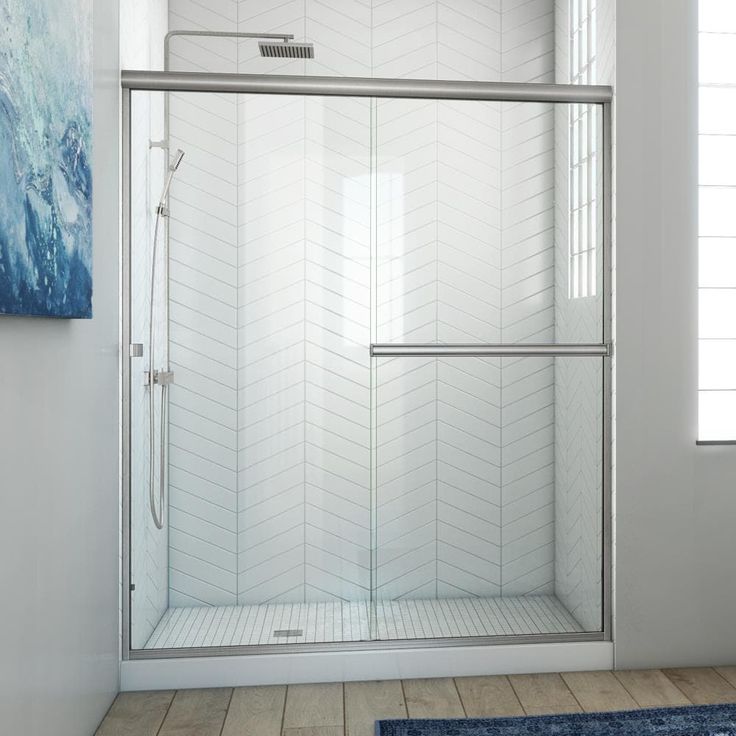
(429, 350)
(272, 84)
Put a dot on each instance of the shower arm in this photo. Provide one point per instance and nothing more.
(204, 34)
(220, 34)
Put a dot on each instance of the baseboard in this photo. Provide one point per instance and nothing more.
(281, 669)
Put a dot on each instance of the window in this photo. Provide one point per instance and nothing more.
(717, 222)
(583, 153)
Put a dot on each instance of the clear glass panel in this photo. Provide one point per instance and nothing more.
(718, 159)
(717, 364)
(717, 205)
(265, 326)
(488, 496)
(717, 110)
(717, 16)
(718, 59)
(717, 419)
(717, 262)
(717, 313)
(473, 251)
(315, 495)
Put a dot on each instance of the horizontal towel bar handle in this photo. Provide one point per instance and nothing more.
(432, 350)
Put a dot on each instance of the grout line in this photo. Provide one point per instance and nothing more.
(403, 695)
(227, 710)
(344, 712)
(166, 715)
(283, 710)
(518, 697)
(570, 690)
(513, 690)
(664, 672)
(722, 677)
(634, 698)
(460, 697)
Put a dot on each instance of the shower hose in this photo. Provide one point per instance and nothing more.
(157, 508)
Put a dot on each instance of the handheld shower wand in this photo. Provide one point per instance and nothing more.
(178, 156)
(161, 377)
(173, 167)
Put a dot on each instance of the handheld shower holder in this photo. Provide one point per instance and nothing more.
(161, 378)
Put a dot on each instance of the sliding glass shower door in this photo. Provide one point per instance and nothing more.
(488, 469)
(374, 400)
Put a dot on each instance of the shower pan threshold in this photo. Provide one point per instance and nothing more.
(341, 621)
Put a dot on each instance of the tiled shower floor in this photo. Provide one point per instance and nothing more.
(337, 621)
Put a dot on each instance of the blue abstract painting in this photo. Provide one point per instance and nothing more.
(45, 149)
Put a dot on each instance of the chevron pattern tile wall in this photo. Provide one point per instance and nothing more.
(337, 331)
(203, 320)
(527, 308)
(272, 231)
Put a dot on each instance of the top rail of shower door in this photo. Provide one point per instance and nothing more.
(273, 84)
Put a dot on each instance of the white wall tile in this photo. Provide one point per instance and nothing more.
(466, 235)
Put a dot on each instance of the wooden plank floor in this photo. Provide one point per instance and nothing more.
(350, 709)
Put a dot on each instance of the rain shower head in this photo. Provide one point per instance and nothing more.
(286, 50)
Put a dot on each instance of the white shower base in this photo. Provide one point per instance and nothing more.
(336, 621)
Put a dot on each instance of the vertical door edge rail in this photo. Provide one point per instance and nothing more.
(125, 335)
(608, 377)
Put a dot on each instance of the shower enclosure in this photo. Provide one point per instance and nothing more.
(385, 310)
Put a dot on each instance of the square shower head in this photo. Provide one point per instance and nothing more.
(286, 50)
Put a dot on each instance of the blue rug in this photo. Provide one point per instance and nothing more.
(694, 720)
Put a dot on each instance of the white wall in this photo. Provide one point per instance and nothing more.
(59, 480)
(675, 502)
